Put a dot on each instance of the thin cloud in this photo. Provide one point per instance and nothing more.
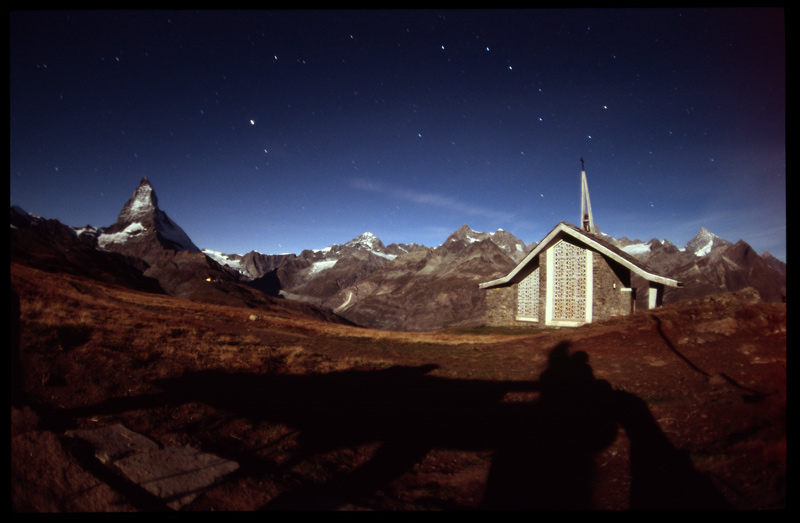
(435, 200)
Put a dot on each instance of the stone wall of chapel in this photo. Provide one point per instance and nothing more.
(501, 306)
(609, 280)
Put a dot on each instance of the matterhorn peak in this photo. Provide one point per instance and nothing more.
(141, 219)
(143, 203)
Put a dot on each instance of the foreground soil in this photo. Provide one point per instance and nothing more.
(681, 407)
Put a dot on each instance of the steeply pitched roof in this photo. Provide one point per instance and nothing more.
(595, 242)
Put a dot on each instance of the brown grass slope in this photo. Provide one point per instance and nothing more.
(682, 407)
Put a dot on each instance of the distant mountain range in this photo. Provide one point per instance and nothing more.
(142, 250)
(398, 287)
(708, 265)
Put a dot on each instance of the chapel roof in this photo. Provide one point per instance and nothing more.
(591, 240)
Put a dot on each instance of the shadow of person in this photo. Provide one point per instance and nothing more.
(662, 476)
(544, 450)
(406, 412)
(403, 410)
(545, 460)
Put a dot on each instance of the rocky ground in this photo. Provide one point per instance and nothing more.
(683, 407)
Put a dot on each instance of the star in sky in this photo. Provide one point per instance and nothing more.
(482, 109)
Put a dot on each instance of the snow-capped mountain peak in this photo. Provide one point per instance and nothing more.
(142, 203)
(507, 242)
(466, 234)
(704, 242)
(368, 241)
(141, 219)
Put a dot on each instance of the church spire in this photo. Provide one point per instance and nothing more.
(587, 221)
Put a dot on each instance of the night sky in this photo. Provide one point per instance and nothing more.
(281, 131)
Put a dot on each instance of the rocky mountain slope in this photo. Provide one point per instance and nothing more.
(144, 232)
(420, 288)
(512, 246)
(143, 250)
(314, 275)
(52, 246)
(707, 265)
(400, 286)
(426, 289)
(430, 288)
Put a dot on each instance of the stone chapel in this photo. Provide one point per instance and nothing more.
(573, 276)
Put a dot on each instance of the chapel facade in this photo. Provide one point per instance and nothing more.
(573, 276)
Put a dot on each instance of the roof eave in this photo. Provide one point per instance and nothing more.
(563, 227)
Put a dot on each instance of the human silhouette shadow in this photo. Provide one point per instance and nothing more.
(546, 460)
(543, 450)
(402, 408)
(662, 476)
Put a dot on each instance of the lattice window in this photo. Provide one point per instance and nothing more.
(528, 296)
(569, 281)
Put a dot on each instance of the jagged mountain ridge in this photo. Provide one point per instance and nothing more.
(315, 274)
(707, 265)
(350, 278)
(54, 247)
(425, 289)
(387, 293)
(507, 242)
(148, 253)
(143, 231)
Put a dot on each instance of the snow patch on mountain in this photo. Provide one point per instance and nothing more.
(472, 236)
(227, 261)
(142, 203)
(320, 266)
(704, 242)
(132, 230)
(637, 248)
(84, 230)
(702, 251)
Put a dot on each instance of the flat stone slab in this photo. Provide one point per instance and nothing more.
(175, 475)
(114, 442)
